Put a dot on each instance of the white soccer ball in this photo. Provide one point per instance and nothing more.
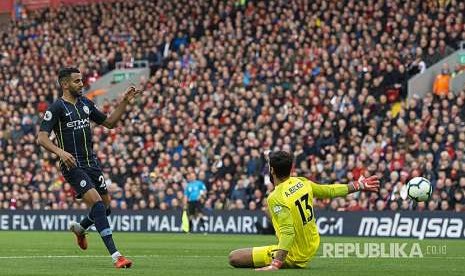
(419, 189)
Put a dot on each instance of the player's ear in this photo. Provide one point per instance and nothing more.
(60, 83)
(63, 83)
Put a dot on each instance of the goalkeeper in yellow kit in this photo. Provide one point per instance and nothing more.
(291, 208)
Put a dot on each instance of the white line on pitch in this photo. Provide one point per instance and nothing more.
(198, 256)
(101, 256)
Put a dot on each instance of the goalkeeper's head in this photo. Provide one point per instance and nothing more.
(280, 163)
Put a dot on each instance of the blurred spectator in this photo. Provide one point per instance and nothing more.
(441, 83)
(417, 66)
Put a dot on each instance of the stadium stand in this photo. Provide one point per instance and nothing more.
(230, 80)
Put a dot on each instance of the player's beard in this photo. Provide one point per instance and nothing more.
(76, 92)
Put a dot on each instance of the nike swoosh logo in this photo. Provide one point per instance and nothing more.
(69, 113)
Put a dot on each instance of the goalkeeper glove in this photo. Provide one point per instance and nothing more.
(370, 184)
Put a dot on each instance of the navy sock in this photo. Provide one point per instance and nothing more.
(102, 225)
(89, 220)
(86, 222)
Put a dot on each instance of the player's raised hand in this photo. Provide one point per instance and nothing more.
(68, 159)
(131, 93)
(370, 184)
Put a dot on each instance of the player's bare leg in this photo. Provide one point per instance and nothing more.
(241, 258)
(202, 221)
(95, 202)
(106, 200)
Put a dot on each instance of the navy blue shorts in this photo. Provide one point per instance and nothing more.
(84, 179)
(194, 208)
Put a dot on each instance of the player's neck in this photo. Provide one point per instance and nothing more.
(67, 97)
(281, 180)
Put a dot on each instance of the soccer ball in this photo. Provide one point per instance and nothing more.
(419, 189)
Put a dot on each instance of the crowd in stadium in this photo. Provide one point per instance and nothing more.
(230, 80)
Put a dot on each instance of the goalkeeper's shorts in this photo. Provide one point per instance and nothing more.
(263, 256)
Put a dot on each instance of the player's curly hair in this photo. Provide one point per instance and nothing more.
(281, 162)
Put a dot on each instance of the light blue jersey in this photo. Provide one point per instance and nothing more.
(194, 190)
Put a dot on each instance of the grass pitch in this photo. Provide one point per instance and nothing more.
(55, 253)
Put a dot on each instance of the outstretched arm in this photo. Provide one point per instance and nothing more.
(370, 184)
(115, 116)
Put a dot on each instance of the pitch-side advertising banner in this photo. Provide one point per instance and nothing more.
(418, 225)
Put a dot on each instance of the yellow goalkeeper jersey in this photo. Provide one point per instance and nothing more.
(291, 209)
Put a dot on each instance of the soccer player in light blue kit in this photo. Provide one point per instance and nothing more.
(193, 193)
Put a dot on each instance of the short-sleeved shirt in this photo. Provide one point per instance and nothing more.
(194, 190)
(71, 125)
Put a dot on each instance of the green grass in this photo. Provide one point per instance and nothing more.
(196, 254)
